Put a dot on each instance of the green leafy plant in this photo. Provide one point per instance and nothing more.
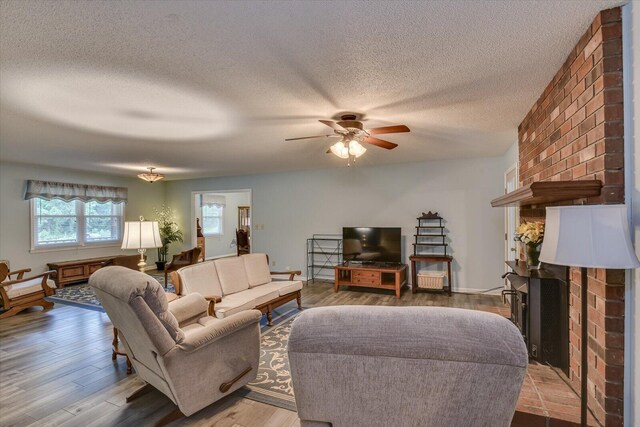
(169, 231)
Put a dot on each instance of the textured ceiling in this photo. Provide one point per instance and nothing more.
(214, 88)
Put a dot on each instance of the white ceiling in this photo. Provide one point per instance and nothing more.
(213, 88)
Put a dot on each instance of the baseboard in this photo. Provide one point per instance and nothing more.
(455, 290)
(477, 291)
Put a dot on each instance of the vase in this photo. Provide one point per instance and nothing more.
(160, 265)
(533, 256)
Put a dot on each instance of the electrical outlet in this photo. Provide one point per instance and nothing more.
(273, 263)
(288, 268)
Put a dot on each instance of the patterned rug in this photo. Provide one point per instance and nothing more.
(273, 383)
(82, 295)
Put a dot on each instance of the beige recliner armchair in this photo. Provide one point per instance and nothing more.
(192, 358)
(405, 366)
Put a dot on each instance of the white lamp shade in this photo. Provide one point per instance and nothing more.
(141, 235)
(594, 236)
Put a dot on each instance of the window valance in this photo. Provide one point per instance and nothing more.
(214, 200)
(48, 190)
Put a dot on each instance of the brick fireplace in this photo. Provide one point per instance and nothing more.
(574, 131)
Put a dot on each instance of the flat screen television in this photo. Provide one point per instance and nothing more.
(372, 244)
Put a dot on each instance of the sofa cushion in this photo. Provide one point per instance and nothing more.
(232, 275)
(201, 278)
(245, 300)
(283, 287)
(24, 288)
(257, 268)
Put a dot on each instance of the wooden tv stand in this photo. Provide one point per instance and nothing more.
(392, 277)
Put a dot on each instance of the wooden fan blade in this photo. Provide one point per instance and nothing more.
(311, 137)
(332, 125)
(389, 129)
(380, 143)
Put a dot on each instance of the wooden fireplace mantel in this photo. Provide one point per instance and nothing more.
(538, 193)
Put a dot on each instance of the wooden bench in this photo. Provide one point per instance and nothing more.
(75, 270)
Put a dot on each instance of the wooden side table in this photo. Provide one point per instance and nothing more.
(117, 351)
(430, 258)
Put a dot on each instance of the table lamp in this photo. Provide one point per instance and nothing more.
(141, 235)
(587, 236)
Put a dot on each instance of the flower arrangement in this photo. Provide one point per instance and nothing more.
(531, 233)
(169, 231)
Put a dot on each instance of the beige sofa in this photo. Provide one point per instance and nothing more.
(236, 284)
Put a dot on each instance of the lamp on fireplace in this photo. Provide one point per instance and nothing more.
(588, 236)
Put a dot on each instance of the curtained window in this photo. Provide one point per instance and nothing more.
(213, 214)
(49, 190)
(75, 215)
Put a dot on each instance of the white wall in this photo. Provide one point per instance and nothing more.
(294, 205)
(15, 232)
(510, 157)
(216, 246)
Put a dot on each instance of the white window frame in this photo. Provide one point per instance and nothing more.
(221, 217)
(81, 220)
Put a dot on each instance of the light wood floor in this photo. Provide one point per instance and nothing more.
(56, 368)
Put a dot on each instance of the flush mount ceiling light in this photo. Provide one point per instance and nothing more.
(151, 176)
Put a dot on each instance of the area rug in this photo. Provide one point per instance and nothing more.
(82, 295)
(273, 383)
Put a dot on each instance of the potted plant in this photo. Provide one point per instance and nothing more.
(169, 233)
(531, 234)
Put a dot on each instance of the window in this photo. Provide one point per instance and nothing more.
(212, 220)
(58, 223)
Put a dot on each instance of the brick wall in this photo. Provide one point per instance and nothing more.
(575, 131)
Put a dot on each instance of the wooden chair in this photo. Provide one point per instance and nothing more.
(181, 260)
(242, 242)
(19, 293)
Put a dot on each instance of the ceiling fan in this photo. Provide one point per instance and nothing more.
(352, 135)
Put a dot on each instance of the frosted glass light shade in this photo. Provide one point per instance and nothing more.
(356, 149)
(151, 176)
(594, 236)
(340, 150)
(141, 235)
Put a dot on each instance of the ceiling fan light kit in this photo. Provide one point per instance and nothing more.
(352, 134)
(151, 176)
(344, 150)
